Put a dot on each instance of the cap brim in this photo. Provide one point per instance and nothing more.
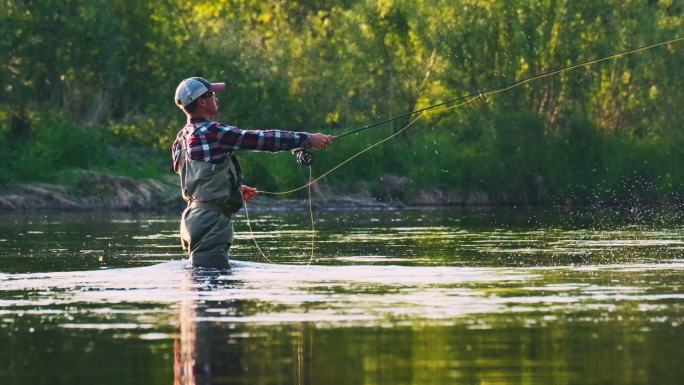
(216, 87)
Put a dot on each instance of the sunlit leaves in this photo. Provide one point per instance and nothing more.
(333, 65)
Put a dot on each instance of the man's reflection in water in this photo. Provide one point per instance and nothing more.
(184, 356)
(215, 352)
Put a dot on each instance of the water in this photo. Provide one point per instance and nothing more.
(432, 297)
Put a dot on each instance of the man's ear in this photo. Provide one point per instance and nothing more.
(202, 102)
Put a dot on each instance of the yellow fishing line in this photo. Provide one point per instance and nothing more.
(308, 186)
(471, 99)
(341, 163)
(559, 71)
(313, 230)
(436, 110)
(249, 225)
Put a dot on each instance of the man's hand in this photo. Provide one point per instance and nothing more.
(319, 141)
(248, 193)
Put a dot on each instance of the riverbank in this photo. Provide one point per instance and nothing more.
(93, 191)
(90, 192)
(103, 192)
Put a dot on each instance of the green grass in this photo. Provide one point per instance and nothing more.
(514, 159)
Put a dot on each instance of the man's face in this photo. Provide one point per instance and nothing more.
(209, 103)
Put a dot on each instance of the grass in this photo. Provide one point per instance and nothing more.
(513, 159)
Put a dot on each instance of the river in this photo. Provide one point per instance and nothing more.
(443, 296)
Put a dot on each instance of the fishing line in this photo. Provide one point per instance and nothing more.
(516, 83)
(466, 99)
(313, 229)
(311, 182)
(249, 225)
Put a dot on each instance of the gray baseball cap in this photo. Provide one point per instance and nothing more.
(192, 88)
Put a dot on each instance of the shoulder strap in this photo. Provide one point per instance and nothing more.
(235, 169)
(182, 138)
(179, 155)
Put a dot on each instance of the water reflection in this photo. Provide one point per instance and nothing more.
(211, 352)
(511, 326)
(196, 360)
(401, 298)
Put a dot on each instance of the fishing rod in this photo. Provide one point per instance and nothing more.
(305, 157)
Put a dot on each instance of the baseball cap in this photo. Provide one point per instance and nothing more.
(192, 88)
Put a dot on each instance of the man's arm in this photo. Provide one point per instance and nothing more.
(232, 138)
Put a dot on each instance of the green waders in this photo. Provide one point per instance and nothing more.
(213, 195)
(206, 235)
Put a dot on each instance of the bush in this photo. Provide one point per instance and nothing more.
(54, 145)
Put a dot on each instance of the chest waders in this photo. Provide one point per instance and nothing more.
(213, 193)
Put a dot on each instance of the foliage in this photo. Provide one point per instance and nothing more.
(88, 84)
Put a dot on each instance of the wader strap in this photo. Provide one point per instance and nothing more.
(235, 169)
(209, 206)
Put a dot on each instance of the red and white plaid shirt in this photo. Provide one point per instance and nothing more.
(213, 142)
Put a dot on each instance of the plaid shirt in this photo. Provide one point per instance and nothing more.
(213, 142)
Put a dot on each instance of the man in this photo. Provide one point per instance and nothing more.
(210, 176)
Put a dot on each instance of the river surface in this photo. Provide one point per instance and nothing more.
(387, 297)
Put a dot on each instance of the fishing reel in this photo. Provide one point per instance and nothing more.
(303, 157)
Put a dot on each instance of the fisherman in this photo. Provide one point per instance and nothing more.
(210, 175)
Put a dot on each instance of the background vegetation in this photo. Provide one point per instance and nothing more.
(89, 85)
